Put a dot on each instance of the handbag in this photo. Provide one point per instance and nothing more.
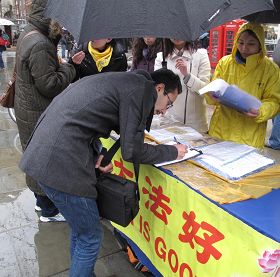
(7, 98)
(117, 197)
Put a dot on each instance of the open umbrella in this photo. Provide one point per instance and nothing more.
(6, 22)
(271, 16)
(181, 19)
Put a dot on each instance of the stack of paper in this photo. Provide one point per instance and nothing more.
(231, 96)
(232, 161)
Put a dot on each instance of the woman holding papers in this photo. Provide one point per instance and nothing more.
(248, 68)
(193, 67)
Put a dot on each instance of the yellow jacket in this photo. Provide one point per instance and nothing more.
(258, 76)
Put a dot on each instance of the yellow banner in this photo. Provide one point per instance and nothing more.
(184, 234)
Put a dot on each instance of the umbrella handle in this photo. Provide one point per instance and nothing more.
(164, 62)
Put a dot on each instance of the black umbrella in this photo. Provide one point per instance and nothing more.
(181, 19)
(271, 16)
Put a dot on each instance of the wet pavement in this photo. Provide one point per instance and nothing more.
(29, 248)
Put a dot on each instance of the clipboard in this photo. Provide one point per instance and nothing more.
(192, 153)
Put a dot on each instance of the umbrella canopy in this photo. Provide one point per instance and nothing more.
(181, 19)
(5, 22)
(271, 16)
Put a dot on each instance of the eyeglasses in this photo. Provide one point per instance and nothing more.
(170, 103)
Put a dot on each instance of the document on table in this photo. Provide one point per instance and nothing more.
(247, 165)
(183, 134)
(226, 152)
(232, 160)
(192, 153)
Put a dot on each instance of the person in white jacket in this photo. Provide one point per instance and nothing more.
(193, 67)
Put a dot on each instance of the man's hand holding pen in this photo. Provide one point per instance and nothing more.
(181, 148)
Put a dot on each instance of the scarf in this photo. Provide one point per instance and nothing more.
(101, 59)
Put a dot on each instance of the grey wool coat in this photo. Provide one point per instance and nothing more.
(63, 149)
(40, 77)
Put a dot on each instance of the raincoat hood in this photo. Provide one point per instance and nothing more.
(36, 16)
(258, 30)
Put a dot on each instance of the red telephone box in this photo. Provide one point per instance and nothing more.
(216, 45)
(221, 40)
(230, 30)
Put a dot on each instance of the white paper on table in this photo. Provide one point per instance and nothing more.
(183, 134)
(251, 163)
(232, 160)
(225, 152)
(190, 154)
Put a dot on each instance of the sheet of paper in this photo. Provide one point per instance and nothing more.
(160, 121)
(189, 155)
(183, 134)
(216, 85)
(225, 152)
(251, 163)
(232, 160)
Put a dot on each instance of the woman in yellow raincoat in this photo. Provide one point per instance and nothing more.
(249, 69)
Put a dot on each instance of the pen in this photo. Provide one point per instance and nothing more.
(175, 139)
(188, 146)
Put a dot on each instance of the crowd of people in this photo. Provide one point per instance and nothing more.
(60, 125)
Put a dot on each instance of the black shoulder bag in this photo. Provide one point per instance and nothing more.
(117, 198)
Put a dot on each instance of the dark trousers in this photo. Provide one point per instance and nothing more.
(47, 206)
(1, 59)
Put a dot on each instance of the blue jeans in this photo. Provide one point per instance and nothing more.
(274, 140)
(1, 59)
(82, 215)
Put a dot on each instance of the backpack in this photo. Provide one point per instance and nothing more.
(4, 42)
(131, 255)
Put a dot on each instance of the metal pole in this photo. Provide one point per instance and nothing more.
(1, 15)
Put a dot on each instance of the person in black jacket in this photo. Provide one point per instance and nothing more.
(97, 56)
(40, 78)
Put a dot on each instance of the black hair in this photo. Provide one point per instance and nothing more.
(138, 44)
(168, 78)
(251, 33)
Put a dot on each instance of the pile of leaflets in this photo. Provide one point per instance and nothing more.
(232, 161)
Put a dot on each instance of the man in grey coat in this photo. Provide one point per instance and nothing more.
(40, 77)
(64, 151)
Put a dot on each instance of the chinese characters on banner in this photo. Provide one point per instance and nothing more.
(184, 234)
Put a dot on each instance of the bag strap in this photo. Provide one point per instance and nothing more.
(26, 35)
(109, 156)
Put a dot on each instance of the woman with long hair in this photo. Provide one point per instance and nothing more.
(144, 52)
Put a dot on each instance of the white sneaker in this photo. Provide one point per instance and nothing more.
(37, 208)
(57, 218)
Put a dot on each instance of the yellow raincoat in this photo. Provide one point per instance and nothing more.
(258, 76)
